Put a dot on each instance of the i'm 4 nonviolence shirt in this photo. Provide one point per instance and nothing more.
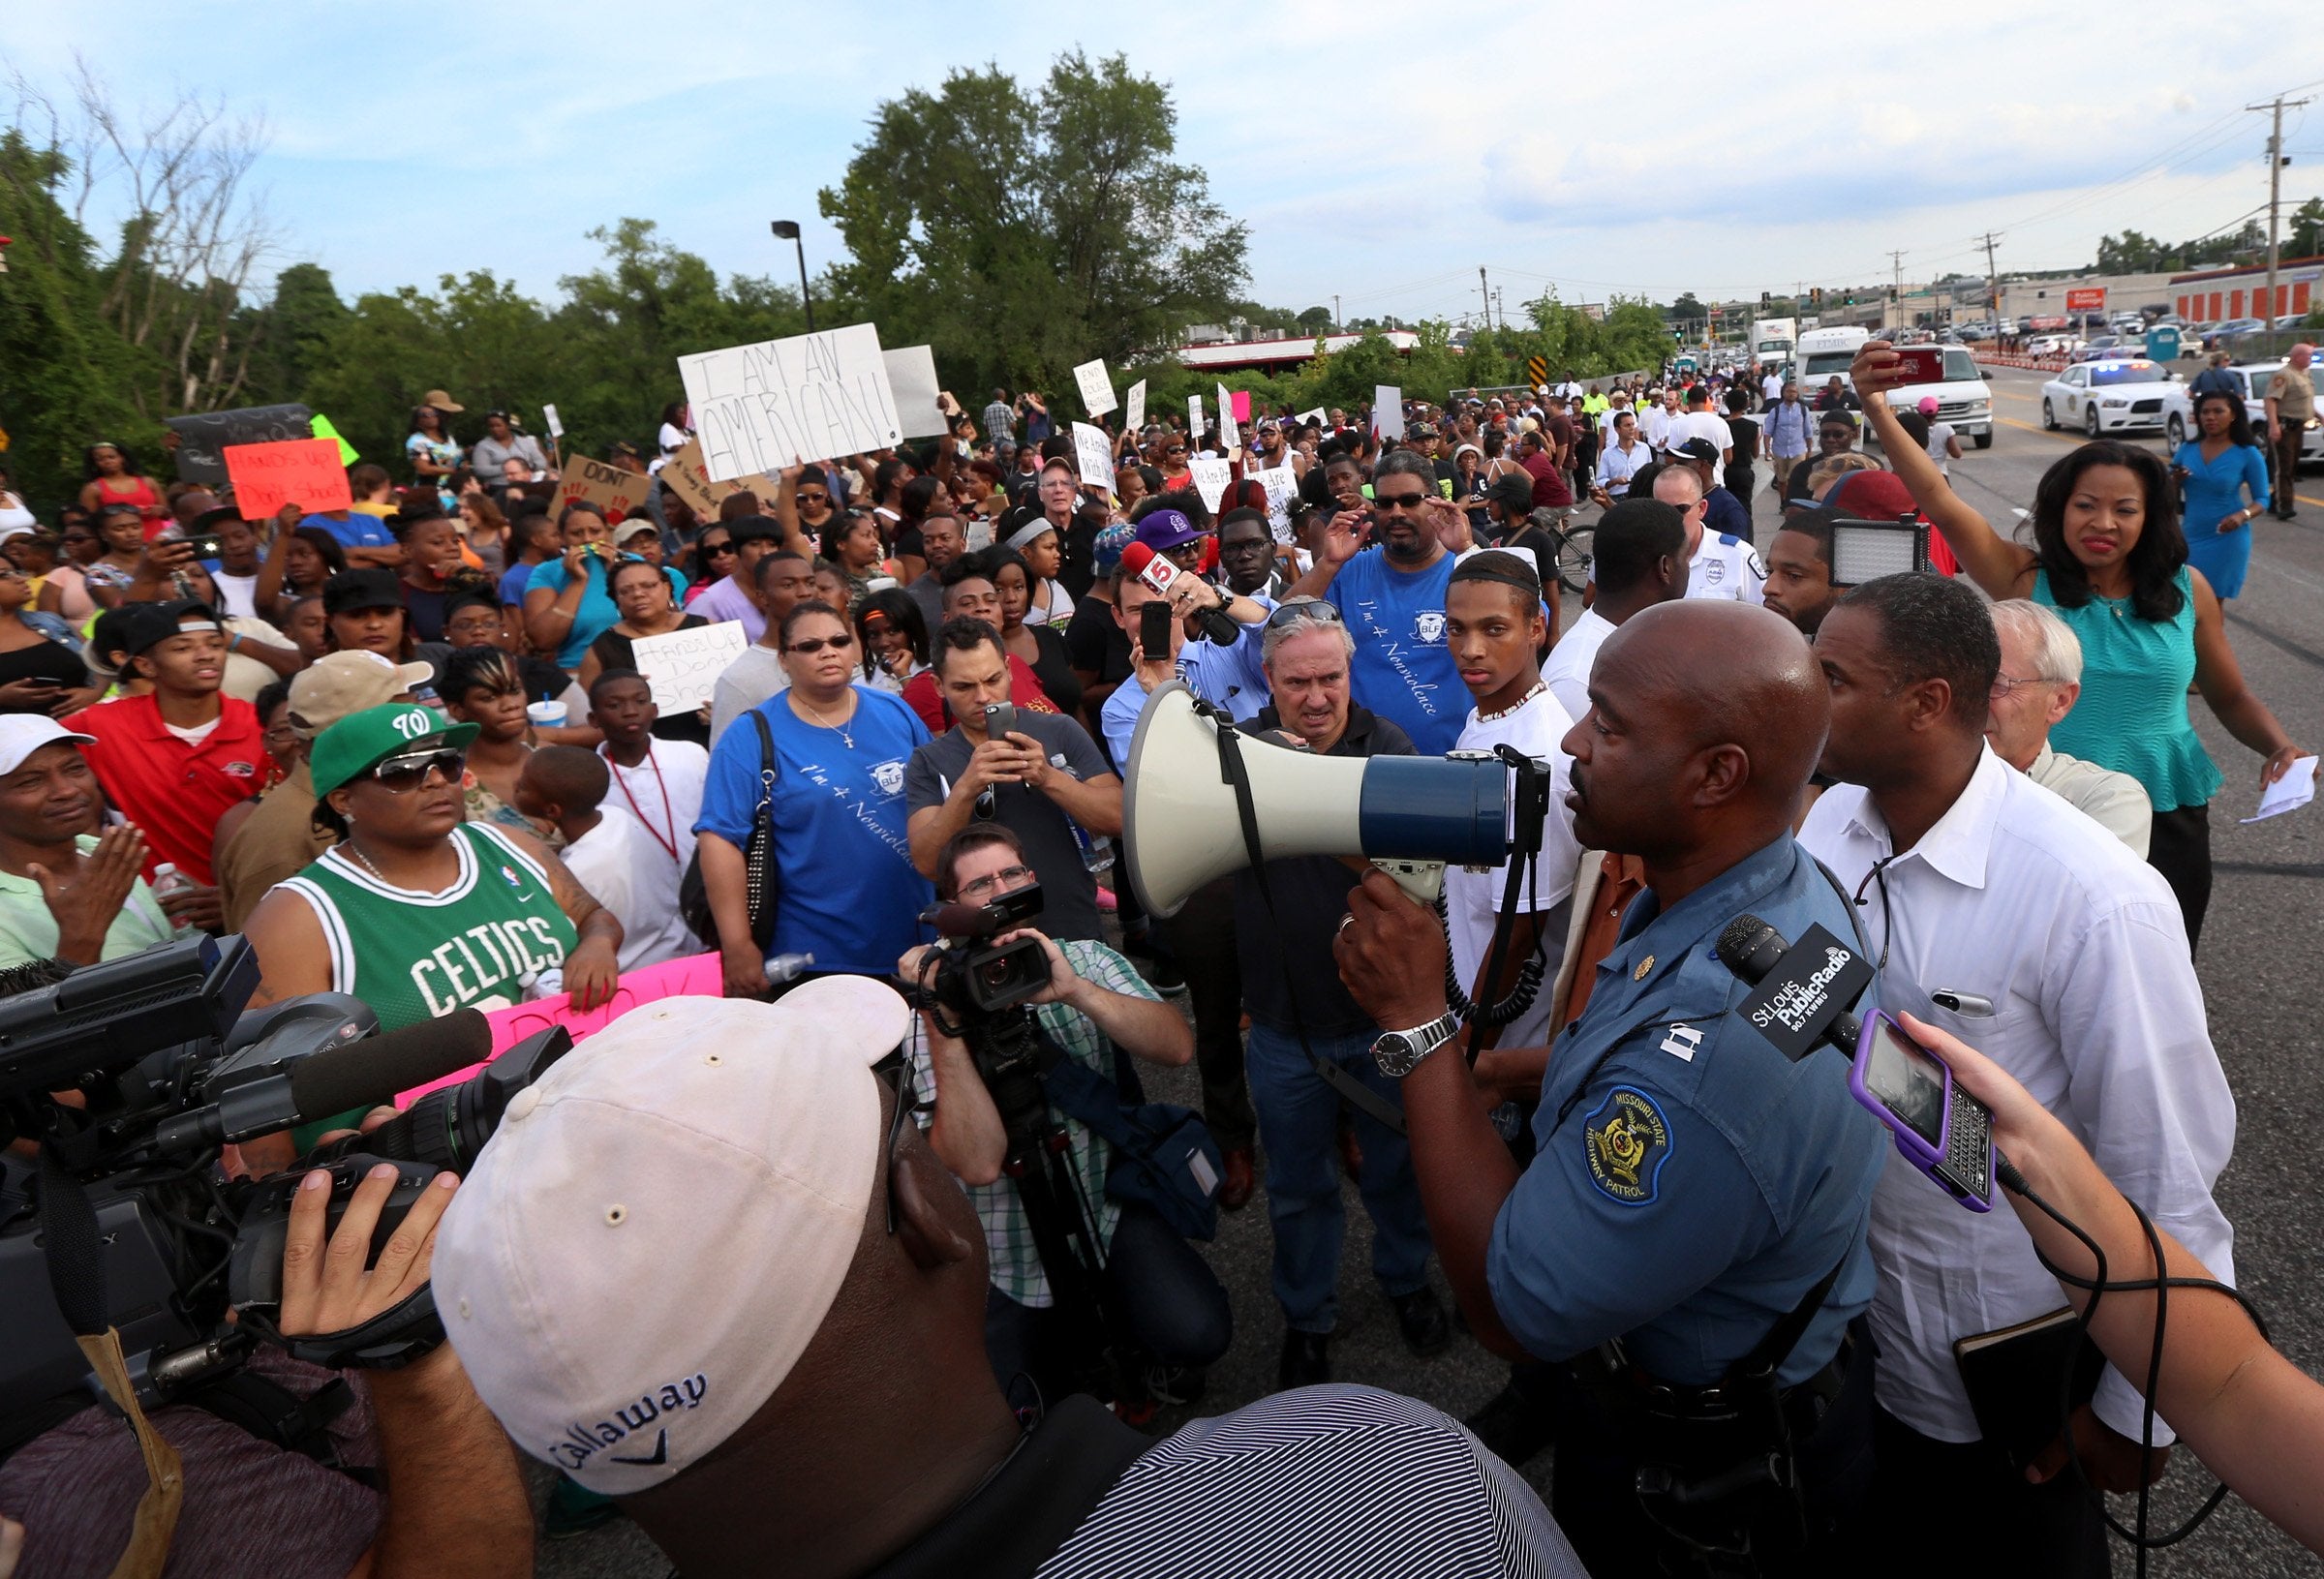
(1402, 670)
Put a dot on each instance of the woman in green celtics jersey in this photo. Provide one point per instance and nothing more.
(415, 911)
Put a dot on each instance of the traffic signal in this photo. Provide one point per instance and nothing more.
(1766, 299)
(1815, 297)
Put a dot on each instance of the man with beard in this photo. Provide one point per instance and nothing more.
(1800, 570)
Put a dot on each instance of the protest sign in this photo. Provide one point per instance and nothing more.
(913, 377)
(301, 472)
(203, 438)
(1194, 410)
(1242, 406)
(682, 473)
(1210, 478)
(810, 398)
(556, 427)
(1095, 451)
(1230, 436)
(1282, 485)
(1135, 418)
(1315, 416)
(1097, 387)
(683, 665)
(1387, 412)
(610, 491)
(322, 428)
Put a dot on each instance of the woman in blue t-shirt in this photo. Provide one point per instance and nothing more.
(566, 603)
(841, 869)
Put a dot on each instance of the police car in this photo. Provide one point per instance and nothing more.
(2121, 395)
(2252, 378)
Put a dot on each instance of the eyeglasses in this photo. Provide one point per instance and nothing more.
(980, 888)
(1315, 608)
(1878, 875)
(817, 644)
(401, 775)
(2010, 685)
(1396, 502)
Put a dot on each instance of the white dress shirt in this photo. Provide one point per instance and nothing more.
(1566, 674)
(2017, 897)
(664, 793)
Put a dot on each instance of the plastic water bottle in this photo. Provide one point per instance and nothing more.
(787, 967)
(169, 880)
(1097, 850)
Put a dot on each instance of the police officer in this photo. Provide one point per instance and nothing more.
(1720, 564)
(1696, 1201)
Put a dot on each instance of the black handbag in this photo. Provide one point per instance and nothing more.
(759, 861)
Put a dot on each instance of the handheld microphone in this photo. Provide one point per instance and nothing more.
(1803, 988)
(370, 1072)
(1160, 575)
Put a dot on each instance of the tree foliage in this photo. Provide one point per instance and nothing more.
(2134, 252)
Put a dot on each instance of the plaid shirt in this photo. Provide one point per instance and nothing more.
(1001, 422)
(1015, 1261)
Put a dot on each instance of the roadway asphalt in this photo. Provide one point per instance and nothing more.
(2258, 969)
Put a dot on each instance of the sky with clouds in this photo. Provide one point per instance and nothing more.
(1375, 152)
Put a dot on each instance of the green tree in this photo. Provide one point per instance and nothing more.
(2129, 253)
(294, 332)
(1022, 233)
(2305, 236)
(1687, 310)
(1316, 321)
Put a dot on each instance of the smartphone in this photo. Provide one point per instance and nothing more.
(1153, 629)
(206, 545)
(1922, 364)
(1941, 1129)
(1000, 718)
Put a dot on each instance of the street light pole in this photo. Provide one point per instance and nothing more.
(788, 230)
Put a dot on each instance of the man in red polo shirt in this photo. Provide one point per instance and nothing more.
(173, 761)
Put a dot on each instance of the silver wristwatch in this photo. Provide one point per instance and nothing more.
(1399, 1052)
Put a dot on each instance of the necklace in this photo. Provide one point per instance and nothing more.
(357, 850)
(817, 717)
(1514, 706)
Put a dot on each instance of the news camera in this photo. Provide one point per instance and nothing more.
(133, 1076)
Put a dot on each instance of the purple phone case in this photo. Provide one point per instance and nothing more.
(1917, 1151)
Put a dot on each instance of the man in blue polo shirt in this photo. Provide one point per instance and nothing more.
(1393, 602)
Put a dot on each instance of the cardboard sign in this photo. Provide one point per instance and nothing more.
(1242, 406)
(301, 472)
(1135, 418)
(782, 402)
(1210, 478)
(913, 377)
(321, 426)
(203, 438)
(683, 665)
(1315, 416)
(548, 415)
(1097, 387)
(610, 491)
(1194, 410)
(1282, 485)
(1095, 452)
(1387, 412)
(1229, 434)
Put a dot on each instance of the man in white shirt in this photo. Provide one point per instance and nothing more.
(657, 781)
(1659, 419)
(2039, 683)
(1719, 565)
(2066, 963)
(1493, 627)
(1639, 560)
(1699, 421)
(1771, 387)
(608, 850)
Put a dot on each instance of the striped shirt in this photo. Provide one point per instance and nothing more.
(1337, 1480)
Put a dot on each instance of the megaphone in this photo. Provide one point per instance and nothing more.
(1181, 828)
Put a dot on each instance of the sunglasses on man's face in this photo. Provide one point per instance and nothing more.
(401, 775)
(1398, 501)
(817, 497)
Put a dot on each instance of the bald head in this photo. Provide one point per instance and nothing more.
(1731, 674)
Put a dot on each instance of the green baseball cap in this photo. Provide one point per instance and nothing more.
(361, 741)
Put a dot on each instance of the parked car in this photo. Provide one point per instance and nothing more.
(2104, 346)
(2239, 326)
(2105, 397)
(2179, 422)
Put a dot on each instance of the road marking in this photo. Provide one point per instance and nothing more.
(2003, 394)
(2077, 438)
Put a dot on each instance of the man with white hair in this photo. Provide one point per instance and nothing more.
(2040, 678)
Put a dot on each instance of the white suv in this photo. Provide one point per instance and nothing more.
(1963, 397)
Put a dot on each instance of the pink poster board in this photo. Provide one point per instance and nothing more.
(1242, 406)
(695, 976)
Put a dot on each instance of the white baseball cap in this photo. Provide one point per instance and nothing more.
(656, 1232)
(23, 733)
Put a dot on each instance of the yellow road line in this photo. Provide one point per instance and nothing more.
(2077, 438)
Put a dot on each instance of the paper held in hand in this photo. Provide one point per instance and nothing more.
(1095, 452)
(301, 472)
(1210, 478)
(812, 397)
(1135, 418)
(1230, 436)
(912, 379)
(1194, 414)
(1282, 485)
(612, 492)
(556, 425)
(2294, 790)
(683, 665)
(1097, 387)
(1387, 412)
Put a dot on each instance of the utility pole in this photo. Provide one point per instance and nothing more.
(1896, 261)
(1993, 283)
(1485, 290)
(2275, 163)
(1335, 312)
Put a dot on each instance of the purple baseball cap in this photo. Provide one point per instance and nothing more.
(1165, 530)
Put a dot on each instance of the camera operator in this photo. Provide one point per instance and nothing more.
(67, 890)
(456, 1504)
(1094, 1003)
(764, 1342)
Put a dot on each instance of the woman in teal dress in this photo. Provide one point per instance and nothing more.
(2109, 557)
(2214, 472)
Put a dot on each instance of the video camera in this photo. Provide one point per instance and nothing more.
(975, 978)
(133, 1074)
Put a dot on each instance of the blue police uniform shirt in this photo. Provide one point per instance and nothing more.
(1701, 1182)
(1402, 669)
(848, 891)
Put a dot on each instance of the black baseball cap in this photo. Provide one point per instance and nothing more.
(154, 623)
(353, 590)
(1696, 449)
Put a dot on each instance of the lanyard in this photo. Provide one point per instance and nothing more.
(668, 838)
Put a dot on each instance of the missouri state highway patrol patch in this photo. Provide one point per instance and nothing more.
(1628, 1141)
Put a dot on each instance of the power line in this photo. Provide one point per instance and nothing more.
(2275, 163)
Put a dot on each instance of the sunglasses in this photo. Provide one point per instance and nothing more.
(1398, 501)
(817, 644)
(895, 1071)
(401, 775)
(711, 551)
(813, 498)
(1315, 608)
